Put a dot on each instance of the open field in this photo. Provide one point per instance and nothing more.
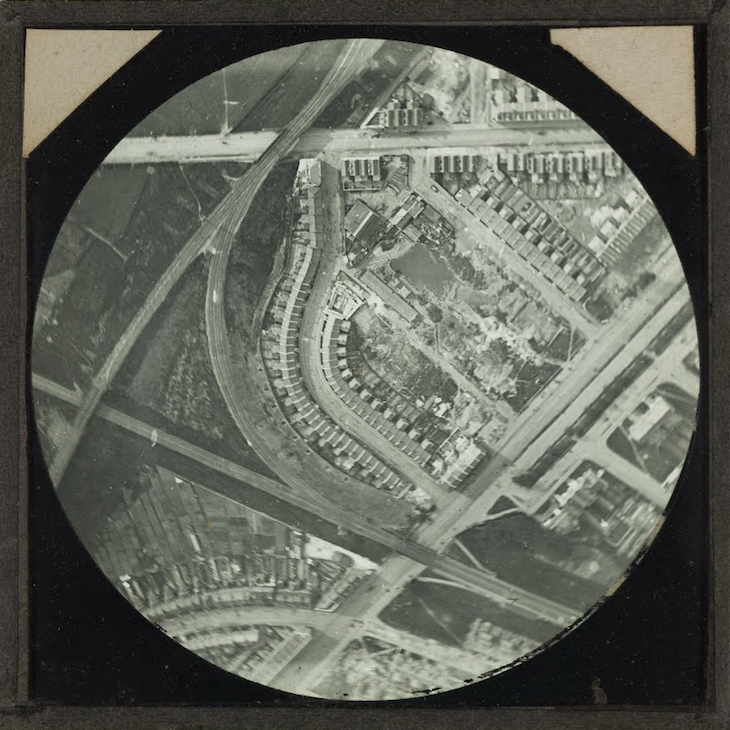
(397, 362)
(108, 288)
(201, 107)
(109, 200)
(168, 380)
(518, 549)
(445, 613)
(285, 100)
(259, 237)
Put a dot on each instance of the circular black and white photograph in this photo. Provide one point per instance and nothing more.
(364, 369)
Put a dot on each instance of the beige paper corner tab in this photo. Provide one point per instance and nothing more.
(652, 67)
(63, 67)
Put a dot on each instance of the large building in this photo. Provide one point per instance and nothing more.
(451, 163)
(387, 295)
(361, 173)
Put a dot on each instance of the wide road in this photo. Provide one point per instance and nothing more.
(535, 431)
(226, 217)
(667, 367)
(520, 601)
(248, 146)
(595, 379)
(465, 662)
(254, 410)
(576, 377)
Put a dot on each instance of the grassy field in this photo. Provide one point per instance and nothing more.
(531, 380)
(445, 613)
(68, 351)
(201, 108)
(108, 201)
(169, 383)
(260, 235)
(268, 90)
(107, 466)
(109, 287)
(293, 91)
(510, 546)
(396, 361)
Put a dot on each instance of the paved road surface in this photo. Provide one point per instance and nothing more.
(440, 199)
(310, 346)
(248, 146)
(594, 379)
(465, 662)
(522, 602)
(253, 414)
(593, 446)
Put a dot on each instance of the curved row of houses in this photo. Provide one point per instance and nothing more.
(451, 470)
(280, 349)
(253, 651)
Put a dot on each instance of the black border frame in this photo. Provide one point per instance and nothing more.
(15, 17)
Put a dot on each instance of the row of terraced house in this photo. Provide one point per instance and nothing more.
(553, 166)
(533, 234)
(385, 417)
(280, 348)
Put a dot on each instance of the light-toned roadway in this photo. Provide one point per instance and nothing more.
(464, 662)
(667, 367)
(521, 602)
(310, 345)
(397, 571)
(248, 146)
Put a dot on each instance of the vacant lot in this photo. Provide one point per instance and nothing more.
(397, 362)
(445, 613)
(107, 466)
(108, 201)
(262, 232)
(521, 551)
(110, 286)
(293, 89)
(169, 383)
